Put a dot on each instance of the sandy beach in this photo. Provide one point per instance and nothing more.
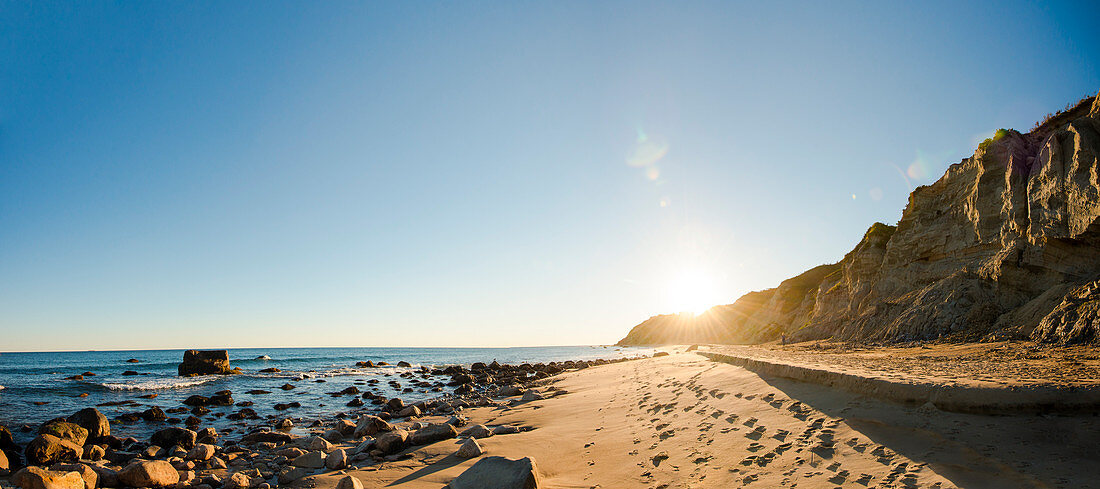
(684, 421)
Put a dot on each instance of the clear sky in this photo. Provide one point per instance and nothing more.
(194, 174)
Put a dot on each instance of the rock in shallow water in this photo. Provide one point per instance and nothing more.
(213, 362)
(92, 420)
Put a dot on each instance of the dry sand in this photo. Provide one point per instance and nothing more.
(723, 426)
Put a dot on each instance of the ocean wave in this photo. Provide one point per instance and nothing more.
(158, 384)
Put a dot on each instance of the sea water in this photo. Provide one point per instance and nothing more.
(33, 388)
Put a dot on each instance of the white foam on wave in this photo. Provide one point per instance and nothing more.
(157, 384)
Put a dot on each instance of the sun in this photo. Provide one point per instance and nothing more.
(693, 291)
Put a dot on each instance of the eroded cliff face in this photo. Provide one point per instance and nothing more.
(1005, 244)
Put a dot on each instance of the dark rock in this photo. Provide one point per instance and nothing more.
(266, 436)
(92, 420)
(211, 362)
(180, 437)
(154, 414)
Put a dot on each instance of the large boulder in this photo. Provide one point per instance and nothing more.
(65, 430)
(92, 420)
(47, 449)
(39, 478)
(149, 473)
(433, 433)
(499, 473)
(210, 362)
(169, 437)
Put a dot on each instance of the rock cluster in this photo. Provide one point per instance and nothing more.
(80, 452)
(1006, 244)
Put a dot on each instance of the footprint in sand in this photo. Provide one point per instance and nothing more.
(755, 434)
(660, 457)
(750, 422)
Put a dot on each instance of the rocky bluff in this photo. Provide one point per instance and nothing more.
(1006, 244)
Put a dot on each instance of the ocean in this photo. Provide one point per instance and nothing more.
(34, 386)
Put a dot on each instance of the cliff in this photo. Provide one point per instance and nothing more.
(1006, 244)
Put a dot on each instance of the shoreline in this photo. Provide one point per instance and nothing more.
(676, 421)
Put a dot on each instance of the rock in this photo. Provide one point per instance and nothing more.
(660, 354)
(267, 436)
(512, 390)
(499, 473)
(213, 362)
(47, 449)
(5, 464)
(531, 395)
(371, 425)
(169, 437)
(337, 460)
(403, 363)
(93, 421)
(238, 481)
(345, 427)
(433, 433)
(201, 452)
(94, 452)
(318, 443)
(107, 477)
(349, 482)
(90, 477)
(207, 435)
(392, 441)
(395, 404)
(292, 474)
(311, 460)
(154, 414)
(65, 430)
(284, 424)
(478, 431)
(149, 473)
(505, 430)
(130, 373)
(469, 449)
(410, 411)
(39, 478)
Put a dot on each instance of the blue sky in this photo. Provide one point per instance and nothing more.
(195, 174)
